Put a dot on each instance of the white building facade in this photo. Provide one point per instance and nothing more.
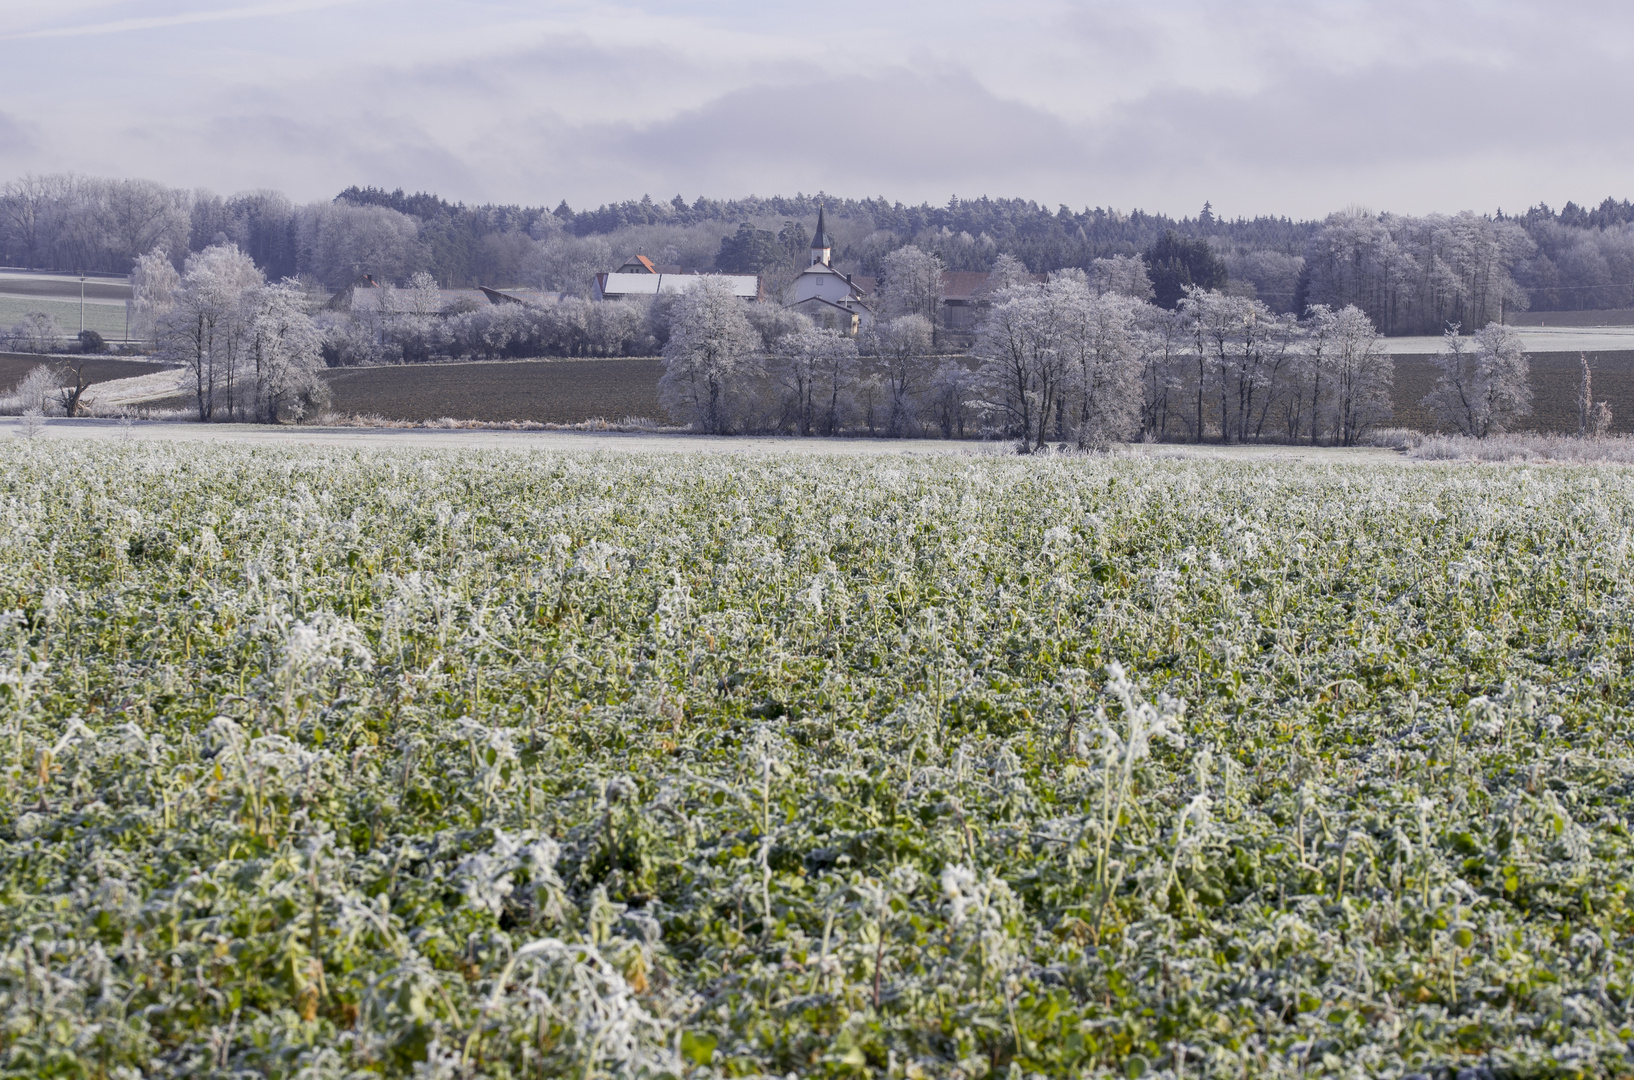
(826, 296)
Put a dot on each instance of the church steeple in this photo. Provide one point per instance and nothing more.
(822, 244)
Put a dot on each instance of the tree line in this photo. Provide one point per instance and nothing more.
(1410, 274)
(1083, 359)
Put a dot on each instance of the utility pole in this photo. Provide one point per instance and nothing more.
(82, 303)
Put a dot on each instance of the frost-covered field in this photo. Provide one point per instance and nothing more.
(330, 761)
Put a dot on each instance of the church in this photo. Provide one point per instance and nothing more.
(829, 298)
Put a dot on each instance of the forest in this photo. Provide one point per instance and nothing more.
(1410, 274)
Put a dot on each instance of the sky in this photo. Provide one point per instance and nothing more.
(1258, 106)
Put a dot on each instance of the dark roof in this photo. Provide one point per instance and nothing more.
(821, 239)
(965, 286)
(845, 305)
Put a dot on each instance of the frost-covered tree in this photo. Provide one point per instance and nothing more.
(815, 370)
(1164, 365)
(1008, 272)
(911, 284)
(901, 345)
(1585, 396)
(139, 215)
(1122, 274)
(1243, 354)
(1361, 374)
(1415, 273)
(1099, 338)
(340, 242)
(36, 332)
(773, 322)
(1483, 388)
(711, 362)
(567, 264)
(1023, 369)
(37, 393)
(283, 356)
(422, 296)
(1593, 417)
(208, 323)
(154, 282)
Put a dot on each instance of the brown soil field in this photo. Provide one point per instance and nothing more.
(13, 366)
(569, 391)
(543, 391)
(62, 288)
(1555, 378)
(1606, 317)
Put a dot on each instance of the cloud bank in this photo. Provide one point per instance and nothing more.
(1268, 106)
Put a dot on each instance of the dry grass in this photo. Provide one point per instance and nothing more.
(447, 423)
(1524, 447)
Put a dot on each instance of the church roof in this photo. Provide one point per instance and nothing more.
(821, 239)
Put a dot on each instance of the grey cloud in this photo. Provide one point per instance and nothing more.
(591, 119)
(898, 132)
(1384, 116)
(19, 142)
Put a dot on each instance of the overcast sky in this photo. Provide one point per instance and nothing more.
(1262, 106)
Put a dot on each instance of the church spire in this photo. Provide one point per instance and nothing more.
(822, 244)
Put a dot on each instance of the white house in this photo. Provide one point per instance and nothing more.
(828, 297)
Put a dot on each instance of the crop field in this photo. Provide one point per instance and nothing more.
(15, 366)
(543, 391)
(330, 762)
(1597, 317)
(1555, 379)
(107, 319)
(568, 391)
(65, 286)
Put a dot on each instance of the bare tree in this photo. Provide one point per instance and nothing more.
(1022, 364)
(912, 284)
(951, 389)
(815, 369)
(901, 345)
(72, 395)
(567, 264)
(27, 204)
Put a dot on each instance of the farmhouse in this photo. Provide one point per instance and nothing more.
(640, 264)
(826, 296)
(966, 296)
